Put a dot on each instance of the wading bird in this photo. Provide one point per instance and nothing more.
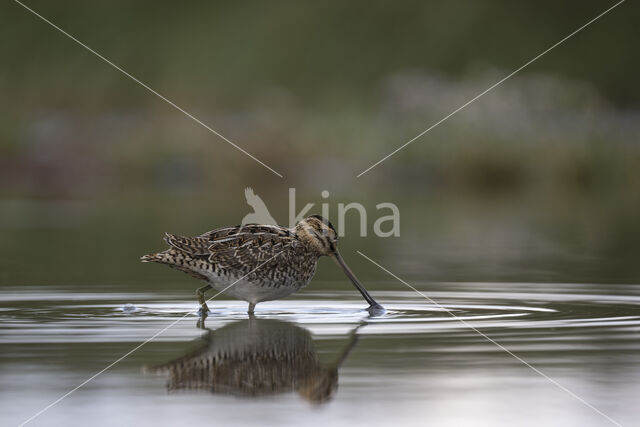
(256, 358)
(256, 263)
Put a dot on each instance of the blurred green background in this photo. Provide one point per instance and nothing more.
(537, 181)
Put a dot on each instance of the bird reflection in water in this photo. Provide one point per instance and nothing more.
(257, 357)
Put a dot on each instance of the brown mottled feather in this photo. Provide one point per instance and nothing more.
(259, 357)
(252, 262)
(194, 246)
(238, 251)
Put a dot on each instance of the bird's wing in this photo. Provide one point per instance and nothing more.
(253, 247)
(194, 246)
(242, 249)
(218, 233)
(222, 232)
(199, 246)
(248, 193)
(252, 198)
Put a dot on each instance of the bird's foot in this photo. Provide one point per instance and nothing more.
(376, 310)
(204, 310)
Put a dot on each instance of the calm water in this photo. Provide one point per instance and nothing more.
(320, 358)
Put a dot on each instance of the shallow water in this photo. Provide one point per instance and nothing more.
(320, 358)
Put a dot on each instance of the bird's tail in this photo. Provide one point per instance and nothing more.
(175, 259)
(170, 256)
(151, 258)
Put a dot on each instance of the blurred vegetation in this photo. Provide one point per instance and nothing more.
(537, 180)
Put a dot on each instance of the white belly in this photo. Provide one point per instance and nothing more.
(251, 292)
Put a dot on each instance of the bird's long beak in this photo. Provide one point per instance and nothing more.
(372, 303)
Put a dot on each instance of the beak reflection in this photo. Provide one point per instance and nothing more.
(255, 358)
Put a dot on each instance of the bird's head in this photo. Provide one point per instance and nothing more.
(319, 386)
(321, 238)
(318, 234)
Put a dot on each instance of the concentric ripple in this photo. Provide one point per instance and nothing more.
(46, 316)
(441, 359)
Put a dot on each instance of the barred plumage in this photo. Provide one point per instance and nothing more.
(255, 262)
(256, 357)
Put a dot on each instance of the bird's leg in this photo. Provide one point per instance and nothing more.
(252, 305)
(203, 304)
(201, 319)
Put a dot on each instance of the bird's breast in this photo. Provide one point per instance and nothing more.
(265, 283)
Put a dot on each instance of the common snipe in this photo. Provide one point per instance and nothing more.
(256, 263)
(255, 358)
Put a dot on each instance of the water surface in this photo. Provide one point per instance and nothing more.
(320, 358)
